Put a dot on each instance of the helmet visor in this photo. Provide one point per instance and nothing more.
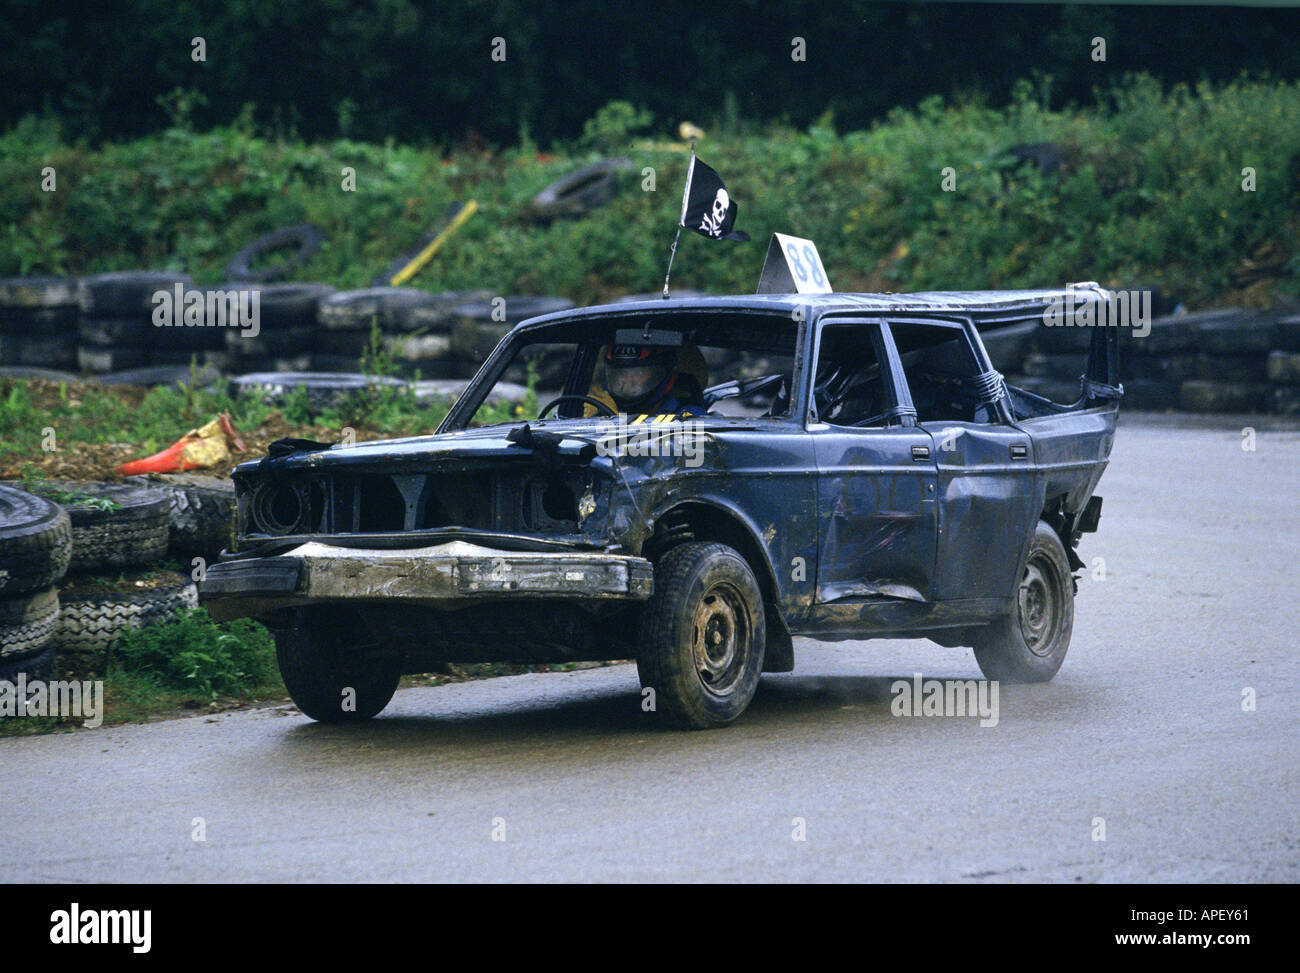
(628, 384)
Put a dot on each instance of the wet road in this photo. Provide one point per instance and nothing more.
(1142, 740)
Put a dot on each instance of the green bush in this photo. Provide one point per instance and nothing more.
(194, 653)
(1149, 192)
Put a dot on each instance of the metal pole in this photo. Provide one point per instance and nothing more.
(672, 253)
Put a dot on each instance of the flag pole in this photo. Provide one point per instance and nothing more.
(671, 253)
(690, 171)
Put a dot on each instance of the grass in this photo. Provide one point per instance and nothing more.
(1149, 191)
(149, 420)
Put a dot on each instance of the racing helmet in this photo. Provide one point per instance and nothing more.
(634, 373)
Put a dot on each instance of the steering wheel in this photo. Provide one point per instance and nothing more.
(582, 398)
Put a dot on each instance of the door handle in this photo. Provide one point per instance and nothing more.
(1020, 451)
(920, 453)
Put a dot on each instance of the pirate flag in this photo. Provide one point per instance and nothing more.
(706, 207)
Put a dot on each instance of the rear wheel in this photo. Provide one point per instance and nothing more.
(1030, 643)
(702, 636)
(329, 666)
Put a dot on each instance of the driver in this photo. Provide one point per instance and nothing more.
(651, 380)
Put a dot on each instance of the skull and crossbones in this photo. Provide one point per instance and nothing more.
(712, 222)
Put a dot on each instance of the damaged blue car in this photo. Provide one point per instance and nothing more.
(833, 466)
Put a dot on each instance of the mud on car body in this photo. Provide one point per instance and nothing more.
(862, 472)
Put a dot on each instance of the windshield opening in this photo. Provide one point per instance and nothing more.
(692, 364)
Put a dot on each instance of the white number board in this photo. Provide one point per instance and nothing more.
(793, 266)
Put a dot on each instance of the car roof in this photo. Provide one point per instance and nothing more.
(982, 305)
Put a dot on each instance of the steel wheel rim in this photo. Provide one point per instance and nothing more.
(1040, 605)
(720, 638)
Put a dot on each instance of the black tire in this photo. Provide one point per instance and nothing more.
(323, 655)
(438, 317)
(580, 192)
(290, 305)
(201, 511)
(38, 292)
(39, 351)
(417, 349)
(38, 666)
(44, 374)
(453, 388)
(91, 621)
(705, 594)
(98, 360)
(348, 343)
(302, 239)
(1205, 396)
(27, 622)
(515, 309)
(391, 308)
(116, 332)
(134, 532)
(273, 341)
(35, 542)
(127, 293)
(1030, 644)
(324, 389)
(40, 321)
(161, 375)
(475, 332)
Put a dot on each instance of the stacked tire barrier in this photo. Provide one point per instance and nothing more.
(415, 326)
(38, 322)
(1230, 360)
(478, 327)
(116, 330)
(117, 532)
(35, 550)
(286, 336)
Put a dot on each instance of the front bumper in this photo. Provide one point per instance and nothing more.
(443, 575)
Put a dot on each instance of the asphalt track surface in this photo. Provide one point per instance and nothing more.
(1139, 762)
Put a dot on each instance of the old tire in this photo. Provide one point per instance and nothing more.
(180, 375)
(702, 636)
(325, 390)
(116, 332)
(126, 293)
(38, 292)
(390, 308)
(91, 620)
(302, 240)
(27, 622)
(201, 511)
(37, 666)
(134, 532)
(31, 371)
(322, 657)
(579, 192)
(1030, 643)
(35, 542)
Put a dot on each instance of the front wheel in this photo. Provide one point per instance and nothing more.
(330, 669)
(1030, 643)
(702, 636)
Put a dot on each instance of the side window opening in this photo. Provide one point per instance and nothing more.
(941, 371)
(849, 386)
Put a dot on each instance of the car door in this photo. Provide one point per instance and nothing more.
(876, 483)
(985, 464)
